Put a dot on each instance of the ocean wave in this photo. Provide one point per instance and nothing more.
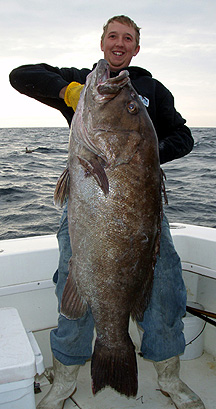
(10, 191)
(28, 181)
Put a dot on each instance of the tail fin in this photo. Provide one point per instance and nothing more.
(114, 367)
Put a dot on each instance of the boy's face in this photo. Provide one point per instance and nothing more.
(119, 45)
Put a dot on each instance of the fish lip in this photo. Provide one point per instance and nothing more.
(115, 80)
(107, 87)
(103, 72)
(112, 86)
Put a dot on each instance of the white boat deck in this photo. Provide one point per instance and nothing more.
(27, 266)
(199, 374)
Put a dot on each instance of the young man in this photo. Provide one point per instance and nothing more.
(163, 340)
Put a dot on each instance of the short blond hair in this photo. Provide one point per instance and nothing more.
(123, 20)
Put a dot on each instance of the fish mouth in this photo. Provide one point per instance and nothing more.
(107, 88)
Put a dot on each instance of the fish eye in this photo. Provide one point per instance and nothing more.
(132, 107)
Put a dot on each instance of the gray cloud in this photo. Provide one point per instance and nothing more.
(178, 39)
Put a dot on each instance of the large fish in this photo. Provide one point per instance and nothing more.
(113, 182)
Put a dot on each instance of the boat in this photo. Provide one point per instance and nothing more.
(26, 269)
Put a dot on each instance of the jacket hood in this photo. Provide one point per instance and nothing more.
(138, 72)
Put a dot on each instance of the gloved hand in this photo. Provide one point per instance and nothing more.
(72, 94)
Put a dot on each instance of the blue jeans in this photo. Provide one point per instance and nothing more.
(71, 341)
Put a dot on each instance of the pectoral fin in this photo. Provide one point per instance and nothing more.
(93, 167)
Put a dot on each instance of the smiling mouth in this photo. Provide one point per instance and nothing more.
(118, 53)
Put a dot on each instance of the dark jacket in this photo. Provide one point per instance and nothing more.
(44, 82)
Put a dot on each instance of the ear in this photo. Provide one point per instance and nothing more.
(102, 49)
(136, 50)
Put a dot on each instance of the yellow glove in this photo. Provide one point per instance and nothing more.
(72, 94)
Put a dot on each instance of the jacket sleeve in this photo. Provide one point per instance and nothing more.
(175, 139)
(44, 82)
(176, 145)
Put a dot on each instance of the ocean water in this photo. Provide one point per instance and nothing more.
(27, 181)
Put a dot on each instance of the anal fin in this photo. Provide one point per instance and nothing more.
(73, 305)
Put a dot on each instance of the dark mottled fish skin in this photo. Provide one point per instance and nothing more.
(114, 212)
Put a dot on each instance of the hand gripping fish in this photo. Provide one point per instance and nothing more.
(113, 183)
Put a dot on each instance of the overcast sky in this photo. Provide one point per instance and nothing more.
(178, 46)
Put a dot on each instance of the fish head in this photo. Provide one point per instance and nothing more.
(110, 114)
